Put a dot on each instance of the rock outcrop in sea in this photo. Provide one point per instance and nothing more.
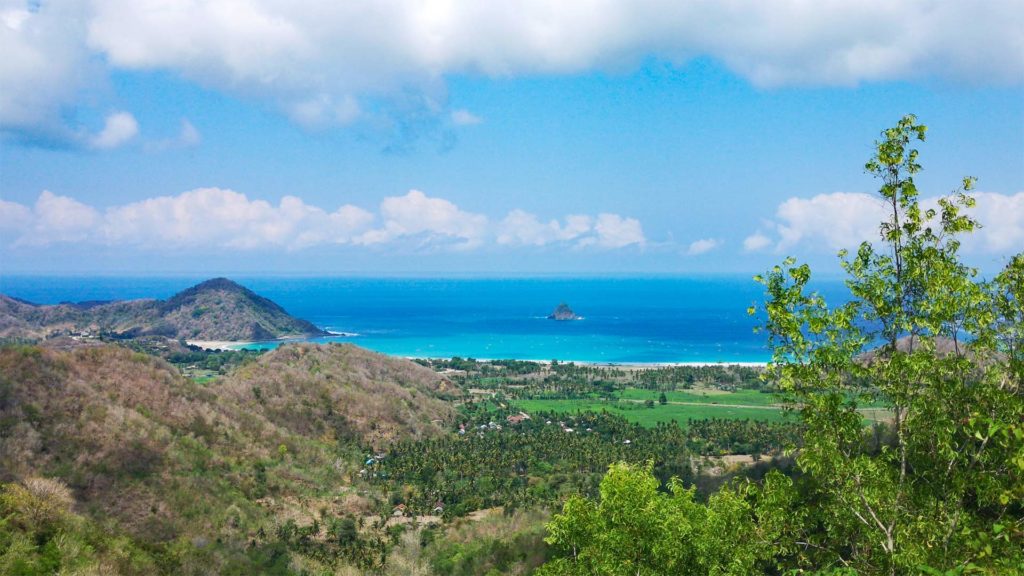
(563, 312)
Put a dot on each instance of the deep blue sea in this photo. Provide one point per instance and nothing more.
(625, 320)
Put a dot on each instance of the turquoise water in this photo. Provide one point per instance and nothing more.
(626, 320)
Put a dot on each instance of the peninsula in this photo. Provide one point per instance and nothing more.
(214, 310)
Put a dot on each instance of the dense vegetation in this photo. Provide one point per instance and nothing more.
(941, 493)
(568, 379)
(550, 456)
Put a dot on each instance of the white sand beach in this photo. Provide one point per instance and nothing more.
(216, 344)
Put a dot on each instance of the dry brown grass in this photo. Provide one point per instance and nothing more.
(338, 390)
(161, 456)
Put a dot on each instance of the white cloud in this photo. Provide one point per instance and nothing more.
(844, 220)
(523, 228)
(434, 220)
(756, 242)
(45, 68)
(840, 219)
(1002, 219)
(220, 218)
(465, 118)
(118, 129)
(614, 231)
(52, 219)
(702, 246)
(317, 60)
(227, 219)
(15, 219)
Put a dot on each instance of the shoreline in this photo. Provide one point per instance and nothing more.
(217, 344)
(223, 345)
(626, 365)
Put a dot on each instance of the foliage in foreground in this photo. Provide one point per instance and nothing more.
(944, 496)
(635, 528)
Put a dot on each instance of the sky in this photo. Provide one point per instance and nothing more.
(444, 137)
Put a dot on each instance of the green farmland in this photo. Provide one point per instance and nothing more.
(681, 406)
(637, 412)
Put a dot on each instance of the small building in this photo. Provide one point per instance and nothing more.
(398, 511)
(517, 418)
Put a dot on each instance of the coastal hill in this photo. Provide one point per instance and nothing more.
(123, 439)
(358, 394)
(217, 309)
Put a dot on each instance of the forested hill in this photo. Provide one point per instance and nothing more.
(217, 309)
(172, 476)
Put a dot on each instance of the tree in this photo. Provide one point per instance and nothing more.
(937, 490)
(662, 399)
(637, 529)
(944, 356)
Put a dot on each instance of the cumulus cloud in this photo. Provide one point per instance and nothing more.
(118, 129)
(317, 61)
(229, 219)
(1002, 219)
(52, 219)
(702, 246)
(433, 220)
(45, 70)
(523, 228)
(614, 231)
(840, 219)
(844, 220)
(756, 242)
(15, 220)
(220, 218)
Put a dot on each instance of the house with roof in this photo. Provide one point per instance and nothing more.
(517, 418)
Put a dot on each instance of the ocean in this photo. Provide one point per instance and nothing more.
(625, 320)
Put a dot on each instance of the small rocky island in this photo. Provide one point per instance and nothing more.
(563, 312)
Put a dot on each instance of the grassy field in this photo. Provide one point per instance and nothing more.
(709, 396)
(637, 412)
(682, 406)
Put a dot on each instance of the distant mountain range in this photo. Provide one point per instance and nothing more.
(217, 309)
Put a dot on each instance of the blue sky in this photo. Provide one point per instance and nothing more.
(444, 138)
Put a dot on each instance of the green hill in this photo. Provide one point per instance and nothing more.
(216, 309)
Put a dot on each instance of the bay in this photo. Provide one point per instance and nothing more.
(625, 319)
